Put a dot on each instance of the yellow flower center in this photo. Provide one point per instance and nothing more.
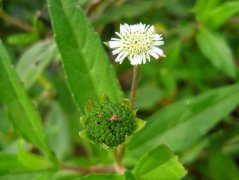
(136, 43)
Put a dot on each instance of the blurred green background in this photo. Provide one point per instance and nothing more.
(201, 44)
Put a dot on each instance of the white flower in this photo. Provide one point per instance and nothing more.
(137, 42)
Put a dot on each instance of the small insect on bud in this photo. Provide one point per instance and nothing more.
(115, 118)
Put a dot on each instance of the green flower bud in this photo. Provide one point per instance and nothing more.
(109, 124)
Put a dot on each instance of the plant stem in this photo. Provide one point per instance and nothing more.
(16, 22)
(134, 85)
(119, 153)
(87, 170)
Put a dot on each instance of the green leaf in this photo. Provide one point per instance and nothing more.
(57, 131)
(231, 146)
(4, 123)
(87, 67)
(129, 10)
(167, 69)
(159, 163)
(215, 48)
(9, 163)
(147, 96)
(214, 15)
(190, 155)
(102, 177)
(223, 167)
(21, 112)
(31, 161)
(22, 38)
(129, 176)
(203, 8)
(219, 15)
(38, 175)
(22, 162)
(183, 123)
(34, 61)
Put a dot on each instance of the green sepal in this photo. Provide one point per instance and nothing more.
(104, 99)
(139, 124)
(126, 103)
(127, 139)
(135, 111)
(107, 44)
(84, 136)
(83, 119)
(89, 106)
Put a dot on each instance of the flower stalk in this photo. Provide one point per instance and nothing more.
(119, 152)
(134, 85)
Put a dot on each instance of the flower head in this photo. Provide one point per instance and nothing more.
(137, 42)
(109, 124)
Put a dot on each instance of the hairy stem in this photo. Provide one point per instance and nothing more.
(119, 153)
(87, 170)
(134, 85)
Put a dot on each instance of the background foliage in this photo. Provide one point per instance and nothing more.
(189, 99)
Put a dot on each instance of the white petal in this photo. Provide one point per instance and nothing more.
(157, 37)
(157, 43)
(134, 61)
(118, 34)
(114, 44)
(137, 59)
(158, 51)
(147, 27)
(123, 57)
(148, 57)
(123, 29)
(140, 59)
(155, 55)
(116, 39)
(119, 56)
(144, 58)
(151, 30)
(127, 27)
(143, 28)
(117, 51)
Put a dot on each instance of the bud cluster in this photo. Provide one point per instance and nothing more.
(109, 124)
